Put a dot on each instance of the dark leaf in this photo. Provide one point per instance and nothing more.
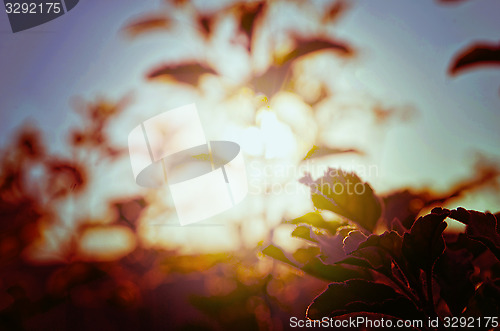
(378, 253)
(320, 151)
(485, 300)
(424, 244)
(129, 210)
(65, 177)
(478, 54)
(462, 241)
(316, 268)
(345, 194)
(397, 226)
(206, 24)
(482, 227)
(356, 296)
(335, 272)
(452, 272)
(187, 73)
(352, 241)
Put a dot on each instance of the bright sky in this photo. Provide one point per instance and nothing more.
(405, 48)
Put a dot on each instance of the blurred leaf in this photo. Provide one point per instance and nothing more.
(206, 23)
(321, 151)
(187, 72)
(345, 194)
(271, 81)
(65, 177)
(249, 14)
(335, 11)
(129, 210)
(147, 24)
(355, 296)
(452, 271)
(305, 46)
(478, 54)
(192, 263)
(278, 254)
(303, 232)
(424, 244)
(482, 227)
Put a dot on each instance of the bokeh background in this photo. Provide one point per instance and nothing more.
(84, 246)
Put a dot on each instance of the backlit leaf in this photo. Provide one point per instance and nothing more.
(345, 194)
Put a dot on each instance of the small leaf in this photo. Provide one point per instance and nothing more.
(345, 194)
(188, 73)
(321, 151)
(425, 244)
(303, 232)
(315, 219)
(147, 24)
(478, 54)
(335, 11)
(482, 227)
(357, 296)
(306, 46)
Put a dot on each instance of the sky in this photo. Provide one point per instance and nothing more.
(405, 49)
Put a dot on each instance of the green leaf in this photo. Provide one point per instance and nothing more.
(278, 254)
(345, 194)
(315, 219)
(320, 151)
(303, 232)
